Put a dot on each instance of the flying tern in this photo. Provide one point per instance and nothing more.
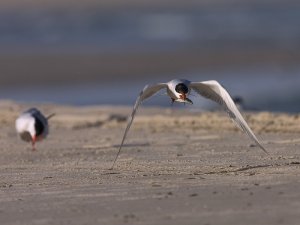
(32, 126)
(179, 90)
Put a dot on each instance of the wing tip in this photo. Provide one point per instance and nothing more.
(262, 148)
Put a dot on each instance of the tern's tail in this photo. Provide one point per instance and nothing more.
(50, 116)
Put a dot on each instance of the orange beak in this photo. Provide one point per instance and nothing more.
(182, 96)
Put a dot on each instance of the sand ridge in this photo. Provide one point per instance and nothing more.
(156, 118)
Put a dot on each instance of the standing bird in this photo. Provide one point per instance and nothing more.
(32, 126)
(179, 90)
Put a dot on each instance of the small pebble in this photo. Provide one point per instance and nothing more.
(193, 195)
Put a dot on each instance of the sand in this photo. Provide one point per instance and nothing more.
(177, 167)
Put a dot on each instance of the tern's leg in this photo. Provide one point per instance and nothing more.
(33, 146)
(33, 143)
(172, 101)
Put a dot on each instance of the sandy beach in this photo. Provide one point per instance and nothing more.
(177, 167)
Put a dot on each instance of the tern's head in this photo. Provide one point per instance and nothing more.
(25, 126)
(181, 88)
(182, 92)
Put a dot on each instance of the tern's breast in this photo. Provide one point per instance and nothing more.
(24, 124)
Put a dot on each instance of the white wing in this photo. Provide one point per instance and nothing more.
(214, 91)
(147, 92)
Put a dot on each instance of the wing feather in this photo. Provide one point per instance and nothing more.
(147, 92)
(214, 91)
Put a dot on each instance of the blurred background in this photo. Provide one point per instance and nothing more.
(104, 52)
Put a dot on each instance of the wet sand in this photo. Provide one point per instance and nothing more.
(177, 167)
(64, 69)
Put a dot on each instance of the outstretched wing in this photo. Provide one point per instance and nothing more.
(214, 91)
(147, 92)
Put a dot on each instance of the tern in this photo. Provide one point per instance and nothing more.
(179, 90)
(32, 126)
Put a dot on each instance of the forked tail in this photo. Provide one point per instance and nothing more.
(50, 116)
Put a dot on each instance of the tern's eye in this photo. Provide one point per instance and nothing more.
(181, 88)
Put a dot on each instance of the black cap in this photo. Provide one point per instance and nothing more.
(181, 88)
